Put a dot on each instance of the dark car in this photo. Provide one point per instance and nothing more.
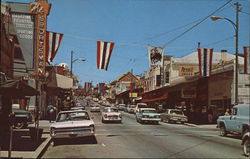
(22, 118)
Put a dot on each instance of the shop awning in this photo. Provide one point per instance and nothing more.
(17, 88)
(151, 98)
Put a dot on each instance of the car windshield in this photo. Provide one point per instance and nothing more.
(176, 112)
(148, 111)
(72, 116)
(142, 105)
(111, 110)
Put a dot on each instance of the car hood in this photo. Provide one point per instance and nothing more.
(150, 114)
(66, 124)
(111, 113)
(177, 115)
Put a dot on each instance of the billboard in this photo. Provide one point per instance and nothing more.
(187, 71)
(23, 26)
(155, 56)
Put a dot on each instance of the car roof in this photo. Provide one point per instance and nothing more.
(72, 111)
(147, 108)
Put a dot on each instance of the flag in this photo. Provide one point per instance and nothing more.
(104, 50)
(205, 61)
(246, 59)
(52, 43)
(87, 87)
(155, 56)
(132, 86)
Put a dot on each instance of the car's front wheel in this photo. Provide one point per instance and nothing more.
(19, 125)
(246, 147)
(223, 131)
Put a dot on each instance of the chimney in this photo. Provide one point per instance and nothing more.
(223, 56)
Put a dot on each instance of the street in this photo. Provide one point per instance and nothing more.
(134, 140)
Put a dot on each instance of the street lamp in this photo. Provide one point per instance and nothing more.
(72, 61)
(235, 25)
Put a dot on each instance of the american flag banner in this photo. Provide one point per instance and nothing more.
(104, 50)
(53, 41)
(101, 88)
(87, 87)
(246, 59)
(205, 57)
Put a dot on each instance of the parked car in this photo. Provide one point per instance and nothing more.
(147, 115)
(78, 108)
(140, 105)
(72, 124)
(246, 143)
(173, 115)
(94, 108)
(131, 108)
(237, 122)
(121, 107)
(22, 118)
(111, 114)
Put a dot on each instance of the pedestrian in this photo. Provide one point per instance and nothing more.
(227, 112)
(50, 111)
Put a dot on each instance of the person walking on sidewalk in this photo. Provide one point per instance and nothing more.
(50, 111)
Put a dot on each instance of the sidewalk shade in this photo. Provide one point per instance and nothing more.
(17, 88)
(33, 133)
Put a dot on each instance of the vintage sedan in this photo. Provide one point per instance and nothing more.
(147, 115)
(131, 108)
(111, 114)
(174, 115)
(94, 108)
(246, 143)
(72, 124)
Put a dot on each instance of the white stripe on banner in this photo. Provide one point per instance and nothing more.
(107, 56)
(101, 55)
(205, 61)
(50, 46)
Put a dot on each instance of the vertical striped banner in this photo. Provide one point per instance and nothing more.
(205, 57)
(53, 41)
(246, 59)
(104, 51)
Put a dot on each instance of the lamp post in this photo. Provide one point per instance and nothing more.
(235, 25)
(72, 61)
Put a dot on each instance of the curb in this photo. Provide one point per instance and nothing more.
(29, 154)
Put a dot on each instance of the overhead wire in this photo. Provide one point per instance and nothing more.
(180, 35)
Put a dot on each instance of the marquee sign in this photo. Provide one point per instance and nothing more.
(41, 9)
(187, 71)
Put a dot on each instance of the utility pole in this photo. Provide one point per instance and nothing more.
(71, 62)
(236, 51)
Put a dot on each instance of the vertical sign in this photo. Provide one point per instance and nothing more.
(155, 56)
(246, 59)
(41, 9)
(23, 24)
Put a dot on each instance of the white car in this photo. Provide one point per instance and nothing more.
(147, 115)
(131, 108)
(72, 124)
(111, 114)
(94, 108)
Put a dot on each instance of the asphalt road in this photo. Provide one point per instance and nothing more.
(133, 140)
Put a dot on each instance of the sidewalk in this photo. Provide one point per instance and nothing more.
(24, 147)
(205, 126)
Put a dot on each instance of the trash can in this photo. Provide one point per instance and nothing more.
(33, 133)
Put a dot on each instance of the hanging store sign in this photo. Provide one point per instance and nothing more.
(41, 9)
(187, 71)
(23, 25)
(133, 95)
(188, 92)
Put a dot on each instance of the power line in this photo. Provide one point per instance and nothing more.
(171, 41)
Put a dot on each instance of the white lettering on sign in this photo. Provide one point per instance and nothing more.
(23, 24)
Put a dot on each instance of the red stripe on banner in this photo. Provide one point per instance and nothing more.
(47, 47)
(199, 58)
(59, 41)
(110, 52)
(98, 53)
(210, 61)
(245, 59)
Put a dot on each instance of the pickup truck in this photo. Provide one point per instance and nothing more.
(237, 122)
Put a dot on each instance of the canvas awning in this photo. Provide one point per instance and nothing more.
(17, 88)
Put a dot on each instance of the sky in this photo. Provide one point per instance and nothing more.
(134, 24)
